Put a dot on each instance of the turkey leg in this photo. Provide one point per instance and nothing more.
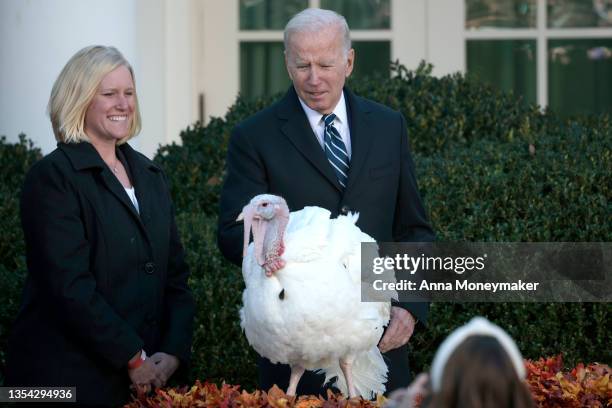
(296, 373)
(346, 365)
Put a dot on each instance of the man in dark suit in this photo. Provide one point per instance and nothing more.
(321, 145)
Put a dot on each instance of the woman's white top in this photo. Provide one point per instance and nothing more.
(132, 194)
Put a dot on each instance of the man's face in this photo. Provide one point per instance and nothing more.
(318, 67)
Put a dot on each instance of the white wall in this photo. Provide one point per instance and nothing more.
(164, 53)
(430, 30)
(409, 22)
(218, 55)
(37, 37)
(180, 110)
(445, 43)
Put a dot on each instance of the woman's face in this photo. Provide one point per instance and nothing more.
(111, 111)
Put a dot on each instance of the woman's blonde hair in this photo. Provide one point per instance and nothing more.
(76, 86)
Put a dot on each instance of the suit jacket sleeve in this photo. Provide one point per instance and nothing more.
(179, 307)
(58, 261)
(245, 178)
(410, 220)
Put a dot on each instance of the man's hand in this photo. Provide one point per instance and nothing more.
(399, 331)
(166, 365)
(144, 376)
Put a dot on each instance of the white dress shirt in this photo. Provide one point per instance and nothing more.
(340, 123)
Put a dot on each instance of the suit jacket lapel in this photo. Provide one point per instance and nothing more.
(297, 129)
(84, 156)
(362, 135)
(141, 178)
(118, 191)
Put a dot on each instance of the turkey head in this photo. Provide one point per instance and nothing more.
(266, 216)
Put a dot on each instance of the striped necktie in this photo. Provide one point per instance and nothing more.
(335, 149)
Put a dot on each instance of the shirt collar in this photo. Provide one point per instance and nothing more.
(314, 117)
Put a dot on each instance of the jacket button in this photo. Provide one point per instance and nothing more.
(345, 209)
(149, 267)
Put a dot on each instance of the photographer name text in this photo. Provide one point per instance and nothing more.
(465, 285)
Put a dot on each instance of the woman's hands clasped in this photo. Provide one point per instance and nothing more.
(166, 366)
(153, 372)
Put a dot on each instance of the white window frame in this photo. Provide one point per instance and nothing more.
(356, 35)
(541, 34)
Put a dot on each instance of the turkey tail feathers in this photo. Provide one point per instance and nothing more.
(369, 374)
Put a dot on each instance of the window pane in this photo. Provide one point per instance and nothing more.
(580, 76)
(268, 14)
(500, 13)
(362, 14)
(262, 69)
(579, 13)
(371, 57)
(509, 65)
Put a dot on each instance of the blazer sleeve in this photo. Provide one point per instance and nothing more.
(58, 255)
(410, 222)
(245, 178)
(179, 305)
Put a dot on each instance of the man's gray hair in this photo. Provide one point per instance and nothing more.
(313, 20)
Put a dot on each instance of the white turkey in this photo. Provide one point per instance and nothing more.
(302, 302)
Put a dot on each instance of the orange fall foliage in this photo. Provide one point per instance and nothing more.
(551, 387)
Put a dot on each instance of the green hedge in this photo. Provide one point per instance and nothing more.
(499, 191)
(479, 179)
(15, 160)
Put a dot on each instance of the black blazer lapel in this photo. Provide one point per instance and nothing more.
(84, 156)
(297, 129)
(362, 135)
(118, 191)
(141, 178)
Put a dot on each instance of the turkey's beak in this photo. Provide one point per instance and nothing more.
(241, 217)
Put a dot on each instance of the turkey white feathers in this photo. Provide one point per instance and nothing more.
(302, 302)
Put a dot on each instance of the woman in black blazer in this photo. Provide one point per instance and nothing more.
(106, 302)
